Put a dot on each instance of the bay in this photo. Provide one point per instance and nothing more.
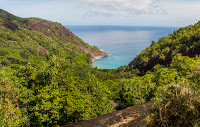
(124, 43)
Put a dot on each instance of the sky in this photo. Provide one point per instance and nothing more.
(176, 13)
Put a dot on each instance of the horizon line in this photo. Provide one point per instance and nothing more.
(124, 25)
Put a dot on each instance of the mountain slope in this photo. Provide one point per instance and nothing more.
(45, 75)
(185, 40)
(46, 78)
(39, 39)
(57, 31)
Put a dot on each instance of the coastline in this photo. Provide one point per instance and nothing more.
(98, 57)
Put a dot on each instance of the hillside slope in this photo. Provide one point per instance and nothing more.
(39, 39)
(46, 78)
(45, 75)
(185, 41)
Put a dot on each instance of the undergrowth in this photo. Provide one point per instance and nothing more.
(179, 107)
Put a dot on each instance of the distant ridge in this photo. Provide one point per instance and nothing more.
(53, 30)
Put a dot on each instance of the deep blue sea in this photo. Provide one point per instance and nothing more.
(124, 43)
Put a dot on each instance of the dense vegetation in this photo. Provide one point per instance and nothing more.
(46, 79)
(185, 41)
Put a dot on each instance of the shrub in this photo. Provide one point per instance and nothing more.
(179, 107)
(5, 62)
(3, 53)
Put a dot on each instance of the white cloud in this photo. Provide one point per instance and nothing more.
(182, 13)
(92, 13)
(131, 7)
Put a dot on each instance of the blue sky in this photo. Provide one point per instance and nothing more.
(177, 13)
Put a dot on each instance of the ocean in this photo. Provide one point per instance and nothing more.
(124, 43)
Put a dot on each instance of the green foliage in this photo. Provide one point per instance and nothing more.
(185, 41)
(49, 81)
(3, 53)
(5, 62)
(46, 81)
(8, 16)
(179, 107)
(13, 111)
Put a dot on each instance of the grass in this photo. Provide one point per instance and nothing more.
(179, 106)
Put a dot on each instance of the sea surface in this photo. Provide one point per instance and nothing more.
(124, 43)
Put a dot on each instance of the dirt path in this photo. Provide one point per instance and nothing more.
(130, 117)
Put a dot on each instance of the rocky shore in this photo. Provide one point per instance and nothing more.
(98, 54)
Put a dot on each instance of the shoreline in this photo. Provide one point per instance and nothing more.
(97, 57)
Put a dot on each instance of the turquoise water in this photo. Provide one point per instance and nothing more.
(124, 43)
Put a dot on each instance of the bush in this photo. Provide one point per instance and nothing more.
(5, 62)
(24, 55)
(179, 107)
(3, 53)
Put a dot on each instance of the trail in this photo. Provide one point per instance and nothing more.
(130, 117)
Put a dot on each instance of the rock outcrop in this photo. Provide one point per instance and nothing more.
(130, 117)
(57, 31)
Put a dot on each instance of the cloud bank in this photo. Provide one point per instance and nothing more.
(130, 7)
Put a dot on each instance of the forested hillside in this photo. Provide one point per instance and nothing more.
(185, 41)
(46, 78)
